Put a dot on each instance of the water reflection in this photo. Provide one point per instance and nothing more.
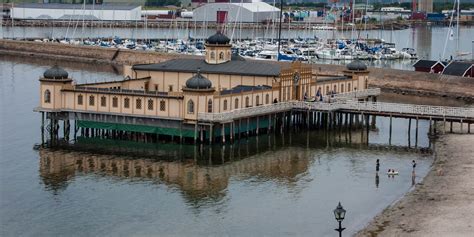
(203, 172)
(197, 182)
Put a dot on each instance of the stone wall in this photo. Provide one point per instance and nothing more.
(82, 53)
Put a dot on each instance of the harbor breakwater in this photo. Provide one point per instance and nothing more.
(399, 81)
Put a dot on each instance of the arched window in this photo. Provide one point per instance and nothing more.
(126, 103)
(150, 104)
(138, 104)
(47, 96)
(236, 103)
(267, 99)
(335, 89)
(115, 102)
(225, 104)
(80, 99)
(257, 100)
(209, 106)
(366, 83)
(213, 55)
(91, 100)
(349, 87)
(162, 105)
(190, 107)
(342, 88)
(247, 101)
(103, 101)
(228, 55)
(327, 90)
(221, 56)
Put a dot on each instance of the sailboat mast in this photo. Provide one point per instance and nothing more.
(457, 27)
(279, 29)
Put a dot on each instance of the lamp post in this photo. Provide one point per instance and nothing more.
(339, 214)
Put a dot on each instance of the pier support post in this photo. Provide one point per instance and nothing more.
(416, 133)
(461, 126)
(444, 125)
(211, 133)
(223, 132)
(42, 128)
(232, 127)
(390, 132)
(431, 127)
(240, 128)
(269, 123)
(202, 134)
(258, 125)
(367, 120)
(409, 132)
(248, 126)
(195, 132)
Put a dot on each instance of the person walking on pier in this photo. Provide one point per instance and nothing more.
(413, 164)
(377, 165)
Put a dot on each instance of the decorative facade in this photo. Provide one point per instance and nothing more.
(167, 98)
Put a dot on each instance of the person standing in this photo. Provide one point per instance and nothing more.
(413, 164)
(377, 165)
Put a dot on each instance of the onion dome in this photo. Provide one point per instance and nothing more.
(356, 65)
(55, 73)
(198, 81)
(218, 38)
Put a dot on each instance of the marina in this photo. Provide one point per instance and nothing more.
(241, 120)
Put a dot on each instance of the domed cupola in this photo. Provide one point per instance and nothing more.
(55, 73)
(218, 38)
(198, 82)
(218, 49)
(356, 65)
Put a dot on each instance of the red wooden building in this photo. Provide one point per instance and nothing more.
(429, 66)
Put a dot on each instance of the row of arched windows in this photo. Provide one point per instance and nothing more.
(190, 103)
(47, 96)
(341, 87)
(103, 102)
(221, 55)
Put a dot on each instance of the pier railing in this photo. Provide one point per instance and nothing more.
(408, 109)
(348, 106)
(246, 112)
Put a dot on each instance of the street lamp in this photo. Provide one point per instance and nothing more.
(339, 214)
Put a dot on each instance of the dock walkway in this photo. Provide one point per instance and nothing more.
(343, 103)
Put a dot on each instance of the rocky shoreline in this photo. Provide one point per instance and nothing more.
(442, 204)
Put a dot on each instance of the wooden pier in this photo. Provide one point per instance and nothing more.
(353, 110)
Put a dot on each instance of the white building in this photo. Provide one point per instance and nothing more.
(236, 12)
(51, 11)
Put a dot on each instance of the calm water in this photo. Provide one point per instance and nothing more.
(270, 186)
(429, 41)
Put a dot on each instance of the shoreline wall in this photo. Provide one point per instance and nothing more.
(399, 81)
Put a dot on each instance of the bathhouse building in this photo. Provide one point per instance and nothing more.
(170, 98)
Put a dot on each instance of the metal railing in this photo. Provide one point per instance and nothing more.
(380, 107)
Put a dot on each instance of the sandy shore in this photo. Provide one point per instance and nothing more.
(441, 205)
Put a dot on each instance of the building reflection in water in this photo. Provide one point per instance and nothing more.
(199, 175)
(199, 172)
